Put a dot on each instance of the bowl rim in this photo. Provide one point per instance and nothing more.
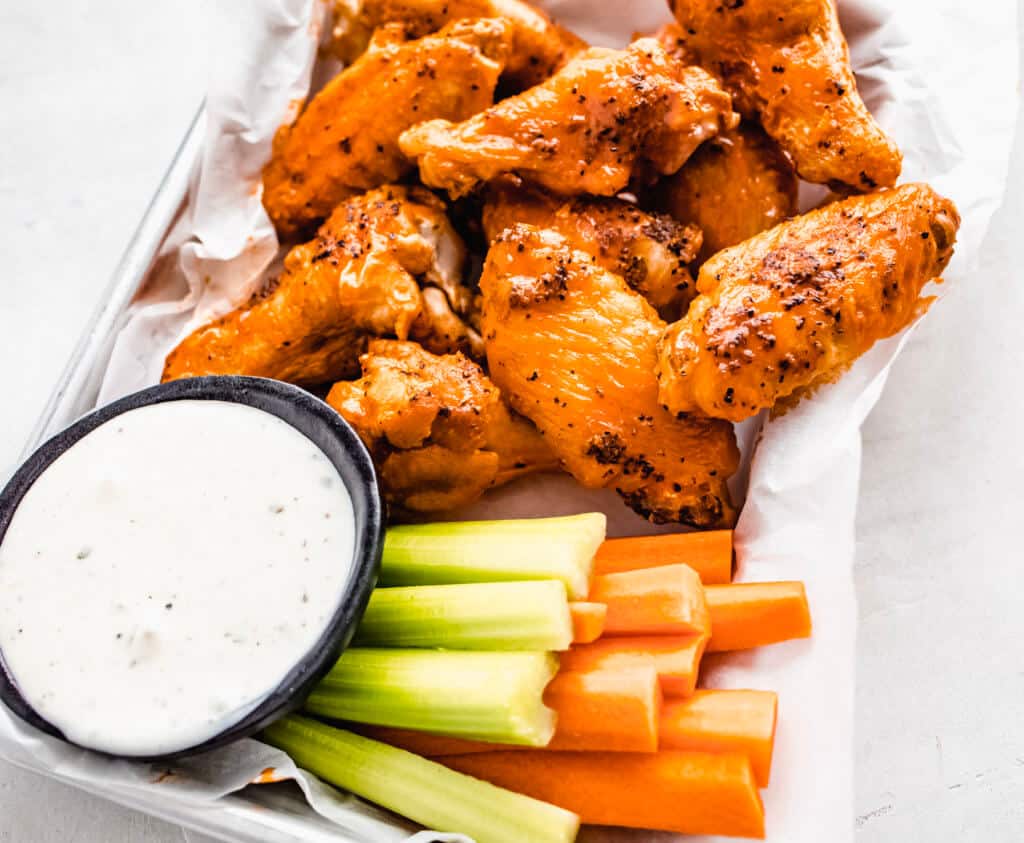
(325, 428)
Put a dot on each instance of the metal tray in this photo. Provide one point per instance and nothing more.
(265, 814)
(78, 387)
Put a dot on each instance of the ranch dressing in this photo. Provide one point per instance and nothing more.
(166, 572)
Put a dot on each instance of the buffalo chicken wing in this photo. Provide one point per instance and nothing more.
(787, 65)
(735, 186)
(607, 118)
(793, 307)
(537, 46)
(360, 277)
(346, 138)
(650, 251)
(437, 428)
(574, 350)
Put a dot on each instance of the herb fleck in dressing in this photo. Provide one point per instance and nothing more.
(168, 570)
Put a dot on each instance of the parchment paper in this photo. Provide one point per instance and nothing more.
(941, 77)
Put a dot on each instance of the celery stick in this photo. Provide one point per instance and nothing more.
(477, 616)
(495, 551)
(488, 696)
(421, 790)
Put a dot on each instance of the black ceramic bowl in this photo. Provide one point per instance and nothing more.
(339, 442)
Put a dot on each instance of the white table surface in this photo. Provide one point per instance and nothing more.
(93, 100)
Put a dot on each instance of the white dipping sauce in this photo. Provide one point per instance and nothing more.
(166, 572)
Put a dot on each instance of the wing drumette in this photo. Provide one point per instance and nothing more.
(346, 138)
(438, 429)
(574, 350)
(606, 118)
(787, 64)
(360, 277)
(793, 307)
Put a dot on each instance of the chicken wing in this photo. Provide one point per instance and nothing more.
(437, 428)
(673, 38)
(537, 45)
(346, 138)
(607, 117)
(794, 306)
(649, 250)
(360, 277)
(574, 349)
(735, 186)
(787, 65)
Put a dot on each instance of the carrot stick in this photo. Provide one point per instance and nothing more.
(652, 601)
(675, 658)
(612, 711)
(606, 709)
(724, 721)
(685, 792)
(745, 615)
(708, 553)
(587, 621)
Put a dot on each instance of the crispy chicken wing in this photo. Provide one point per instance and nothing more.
(787, 64)
(346, 138)
(673, 38)
(438, 429)
(574, 350)
(537, 45)
(360, 277)
(794, 306)
(650, 250)
(607, 117)
(735, 186)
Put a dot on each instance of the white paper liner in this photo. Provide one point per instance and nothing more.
(942, 79)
